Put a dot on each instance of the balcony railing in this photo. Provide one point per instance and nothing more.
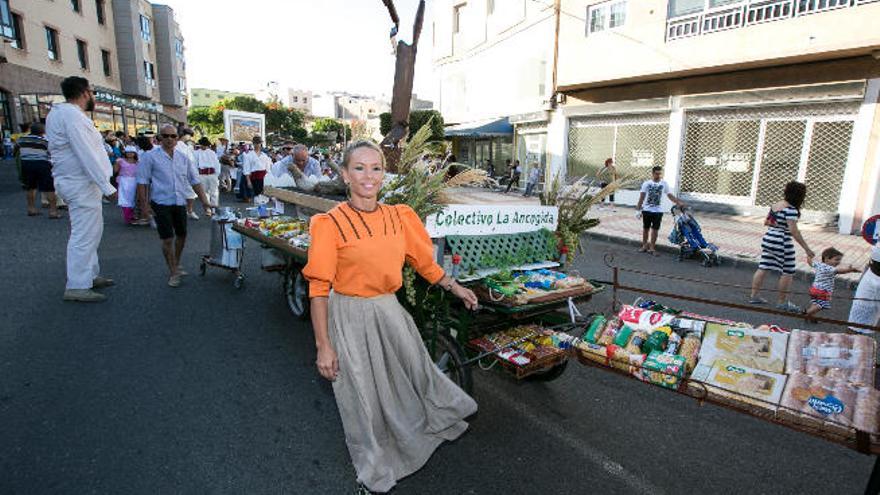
(749, 12)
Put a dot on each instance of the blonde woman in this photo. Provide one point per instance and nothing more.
(395, 404)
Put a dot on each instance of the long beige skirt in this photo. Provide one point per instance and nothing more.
(396, 405)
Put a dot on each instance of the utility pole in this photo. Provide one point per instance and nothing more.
(404, 74)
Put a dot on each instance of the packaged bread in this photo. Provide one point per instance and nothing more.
(690, 351)
(829, 403)
(834, 355)
(750, 347)
(736, 384)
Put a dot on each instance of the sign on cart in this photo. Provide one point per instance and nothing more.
(491, 219)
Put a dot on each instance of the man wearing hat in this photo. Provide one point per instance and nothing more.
(256, 165)
(209, 170)
(866, 304)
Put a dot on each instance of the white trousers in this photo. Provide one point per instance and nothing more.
(211, 184)
(86, 228)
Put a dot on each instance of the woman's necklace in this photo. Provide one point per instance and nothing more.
(355, 208)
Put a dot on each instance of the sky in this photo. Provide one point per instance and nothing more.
(317, 45)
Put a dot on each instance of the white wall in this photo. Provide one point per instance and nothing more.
(498, 64)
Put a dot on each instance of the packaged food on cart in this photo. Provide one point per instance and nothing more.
(739, 385)
(594, 329)
(611, 328)
(592, 352)
(690, 351)
(625, 361)
(665, 370)
(749, 347)
(834, 355)
(830, 404)
(525, 349)
(644, 319)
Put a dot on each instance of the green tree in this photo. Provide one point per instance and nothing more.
(417, 119)
(207, 119)
(243, 103)
(285, 122)
(323, 125)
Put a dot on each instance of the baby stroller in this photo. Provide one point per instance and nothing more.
(686, 233)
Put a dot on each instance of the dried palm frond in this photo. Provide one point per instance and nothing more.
(417, 185)
(414, 148)
(468, 177)
(574, 203)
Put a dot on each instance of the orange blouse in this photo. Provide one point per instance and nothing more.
(362, 254)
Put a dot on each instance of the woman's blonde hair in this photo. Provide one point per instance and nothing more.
(356, 145)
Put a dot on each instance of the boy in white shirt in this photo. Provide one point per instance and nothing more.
(650, 211)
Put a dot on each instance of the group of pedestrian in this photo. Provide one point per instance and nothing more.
(84, 166)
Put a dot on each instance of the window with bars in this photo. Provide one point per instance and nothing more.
(52, 48)
(82, 54)
(99, 11)
(636, 143)
(105, 62)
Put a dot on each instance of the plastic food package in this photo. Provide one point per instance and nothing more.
(625, 361)
(734, 383)
(593, 352)
(662, 369)
(643, 319)
(687, 325)
(830, 403)
(594, 331)
(746, 346)
(610, 332)
(834, 355)
(636, 342)
(690, 351)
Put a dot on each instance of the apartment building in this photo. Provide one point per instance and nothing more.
(733, 97)
(205, 97)
(493, 59)
(119, 45)
(300, 100)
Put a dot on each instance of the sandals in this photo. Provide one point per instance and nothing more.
(757, 300)
(54, 216)
(34, 213)
(789, 307)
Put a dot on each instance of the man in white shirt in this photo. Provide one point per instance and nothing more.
(297, 156)
(651, 195)
(222, 147)
(256, 165)
(209, 170)
(81, 174)
(532, 181)
(185, 146)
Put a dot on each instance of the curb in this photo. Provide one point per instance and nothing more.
(726, 259)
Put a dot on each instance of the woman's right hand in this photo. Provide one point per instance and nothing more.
(328, 364)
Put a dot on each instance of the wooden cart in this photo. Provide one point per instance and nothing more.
(446, 325)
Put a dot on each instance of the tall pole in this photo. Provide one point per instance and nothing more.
(558, 9)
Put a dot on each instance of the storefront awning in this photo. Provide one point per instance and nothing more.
(481, 128)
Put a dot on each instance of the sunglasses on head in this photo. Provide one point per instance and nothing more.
(168, 136)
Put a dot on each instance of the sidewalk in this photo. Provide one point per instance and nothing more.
(738, 238)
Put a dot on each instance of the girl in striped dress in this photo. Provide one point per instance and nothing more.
(777, 248)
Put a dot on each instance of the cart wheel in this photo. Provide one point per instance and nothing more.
(296, 291)
(203, 267)
(549, 374)
(239, 282)
(449, 358)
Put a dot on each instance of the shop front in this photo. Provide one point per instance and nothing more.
(482, 143)
(530, 143)
(113, 112)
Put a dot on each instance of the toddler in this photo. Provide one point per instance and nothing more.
(823, 283)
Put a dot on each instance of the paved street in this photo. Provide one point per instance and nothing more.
(206, 389)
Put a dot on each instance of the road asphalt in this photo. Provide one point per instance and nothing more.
(209, 389)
